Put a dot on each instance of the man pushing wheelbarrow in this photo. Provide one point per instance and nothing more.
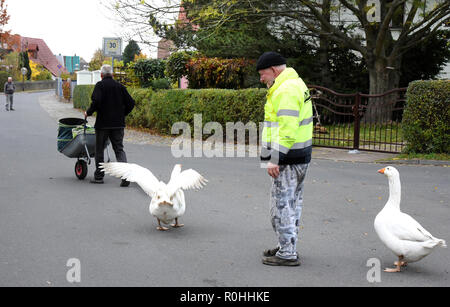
(112, 102)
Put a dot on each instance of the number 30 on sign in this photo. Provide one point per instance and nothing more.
(112, 46)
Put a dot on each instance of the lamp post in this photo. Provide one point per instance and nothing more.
(24, 72)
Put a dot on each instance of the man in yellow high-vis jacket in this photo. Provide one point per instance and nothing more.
(286, 148)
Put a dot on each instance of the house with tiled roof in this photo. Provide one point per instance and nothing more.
(40, 53)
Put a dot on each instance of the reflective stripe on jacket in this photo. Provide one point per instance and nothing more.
(288, 121)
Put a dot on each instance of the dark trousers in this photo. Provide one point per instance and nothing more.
(116, 138)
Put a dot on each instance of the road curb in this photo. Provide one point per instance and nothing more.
(418, 162)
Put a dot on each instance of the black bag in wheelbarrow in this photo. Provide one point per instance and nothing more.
(66, 137)
(77, 140)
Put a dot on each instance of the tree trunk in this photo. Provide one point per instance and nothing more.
(324, 48)
(382, 79)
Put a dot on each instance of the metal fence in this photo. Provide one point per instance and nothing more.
(358, 121)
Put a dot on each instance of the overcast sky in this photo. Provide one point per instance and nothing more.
(68, 27)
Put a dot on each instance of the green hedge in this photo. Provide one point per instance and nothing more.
(426, 119)
(140, 116)
(159, 110)
(82, 96)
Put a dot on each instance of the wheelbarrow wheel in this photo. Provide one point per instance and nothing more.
(81, 169)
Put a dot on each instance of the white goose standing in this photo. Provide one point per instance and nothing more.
(168, 201)
(402, 234)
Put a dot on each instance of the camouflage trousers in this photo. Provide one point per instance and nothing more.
(286, 202)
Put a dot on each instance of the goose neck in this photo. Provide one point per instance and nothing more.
(394, 192)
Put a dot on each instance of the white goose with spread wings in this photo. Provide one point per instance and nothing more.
(168, 201)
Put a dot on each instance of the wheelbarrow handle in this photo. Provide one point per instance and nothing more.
(85, 122)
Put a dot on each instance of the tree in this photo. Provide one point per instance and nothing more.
(363, 26)
(148, 70)
(97, 60)
(24, 61)
(4, 18)
(130, 51)
(428, 58)
(11, 61)
(39, 72)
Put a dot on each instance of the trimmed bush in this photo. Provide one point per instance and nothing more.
(160, 84)
(82, 96)
(215, 105)
(218, 73)
(426, 119)
(141, 114)
(161, 109)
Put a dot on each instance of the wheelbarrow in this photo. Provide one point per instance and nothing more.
(77, 140)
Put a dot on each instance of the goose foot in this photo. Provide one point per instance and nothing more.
(392, 270)
(398, 264)
(161, 228)
(176, 225)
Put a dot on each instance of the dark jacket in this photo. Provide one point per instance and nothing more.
(9, 88)
(112, 102)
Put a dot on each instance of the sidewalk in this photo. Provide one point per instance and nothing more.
(58, 110)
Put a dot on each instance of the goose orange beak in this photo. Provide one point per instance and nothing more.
(381, 171)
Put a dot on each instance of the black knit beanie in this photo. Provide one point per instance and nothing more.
(269, 59)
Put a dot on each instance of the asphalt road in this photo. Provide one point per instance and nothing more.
(48, 216)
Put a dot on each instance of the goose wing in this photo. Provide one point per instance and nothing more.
(404, 227)
(186, 180)
(133, 173)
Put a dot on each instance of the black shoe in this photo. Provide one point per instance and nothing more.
(7, 109)
(124, 183)
(12, 109)
(97, 181)
(270, 252)
(276, 261)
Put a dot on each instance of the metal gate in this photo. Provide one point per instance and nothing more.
(358, 121)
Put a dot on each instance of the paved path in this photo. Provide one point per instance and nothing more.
(47, 217)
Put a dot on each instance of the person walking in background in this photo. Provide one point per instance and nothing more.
(113, 103)
(9, 90)
(287, 149)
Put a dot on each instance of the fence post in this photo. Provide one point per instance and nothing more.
(357, 123)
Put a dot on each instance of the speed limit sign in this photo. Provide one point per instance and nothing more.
(112, 46)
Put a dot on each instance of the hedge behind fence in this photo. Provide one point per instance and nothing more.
(426, 119)
(159, 110)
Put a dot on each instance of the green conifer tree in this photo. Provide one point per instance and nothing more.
(130, 51)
